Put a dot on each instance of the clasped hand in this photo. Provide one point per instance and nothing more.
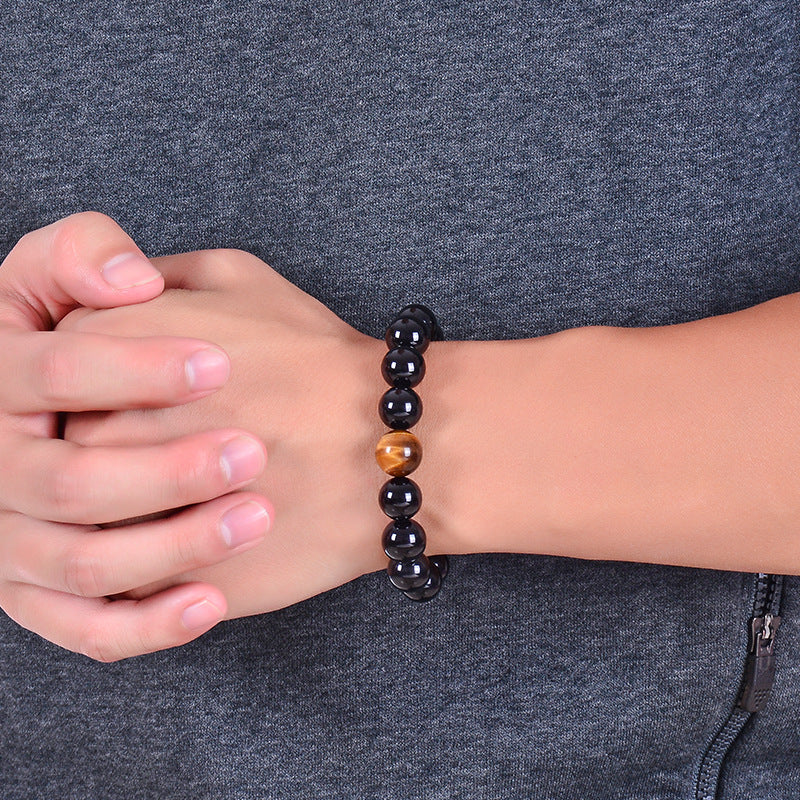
(178, 496)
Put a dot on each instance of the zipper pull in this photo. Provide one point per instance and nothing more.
(759, 673)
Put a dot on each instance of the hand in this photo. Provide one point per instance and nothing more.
(305, 382)
(51, 491)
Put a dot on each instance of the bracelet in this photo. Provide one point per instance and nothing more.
(399, 452)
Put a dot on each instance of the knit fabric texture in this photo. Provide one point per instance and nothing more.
(521, 168)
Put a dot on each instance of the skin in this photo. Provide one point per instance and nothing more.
(650, 470)
(671, 444)
(303, 382)
(53, 492)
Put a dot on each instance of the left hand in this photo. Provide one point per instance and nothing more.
(303, 381)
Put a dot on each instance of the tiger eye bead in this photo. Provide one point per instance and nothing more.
(407, 332)
(398, 453)
(403, 367)
(400, 497)
(400, 408)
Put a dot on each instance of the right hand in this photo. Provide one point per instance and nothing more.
(58, 566)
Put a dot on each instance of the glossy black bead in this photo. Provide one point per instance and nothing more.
(408, 332)
(403, 538)
(403, 367)
(425, 316)
(400, 408)
(410, 573)
(429, 589)
(443, 564)
(400, 497)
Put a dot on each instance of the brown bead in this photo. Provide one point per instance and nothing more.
(398, 453)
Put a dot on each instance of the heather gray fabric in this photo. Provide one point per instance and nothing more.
(522, 168)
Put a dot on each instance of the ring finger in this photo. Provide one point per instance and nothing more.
(61, 481)
(97, 563)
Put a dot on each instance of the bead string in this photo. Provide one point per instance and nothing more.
(399, 452)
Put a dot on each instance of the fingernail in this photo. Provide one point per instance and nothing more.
(127, 270)
(241, 460)
(207, 369)
(245, 523)
(200, 615)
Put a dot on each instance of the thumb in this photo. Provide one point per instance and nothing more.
(85, 259)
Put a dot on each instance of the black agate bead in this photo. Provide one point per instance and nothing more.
(400, 497)
(403, 367)
(429, 589)
(403, 538)
(398, 451)
(408, 332)
(442, 562)
(400, 408)
(425, 317)
(410, 573)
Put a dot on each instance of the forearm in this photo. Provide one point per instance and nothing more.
(673, 444)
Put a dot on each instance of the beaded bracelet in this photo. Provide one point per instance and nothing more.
(399, 452)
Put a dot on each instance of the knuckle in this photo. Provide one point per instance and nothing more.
(111, 643)
(68, 233)
(27, 240)
(58, 374)
(95, 219)
(146, 640)
(11, 603)
(99, 644)
(246, 262)
(232, 256)
(79, 319)
(20, 554)
(74, 233)
(225, 265)
(63, 491)
(84, 572)
(72, 228)
(185, 550)
(189, 476)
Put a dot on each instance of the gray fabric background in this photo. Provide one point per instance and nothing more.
(521, 167)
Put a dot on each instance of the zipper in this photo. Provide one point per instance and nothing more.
(759, 675)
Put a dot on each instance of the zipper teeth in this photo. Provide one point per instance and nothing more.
(768, 595)
(766, 600)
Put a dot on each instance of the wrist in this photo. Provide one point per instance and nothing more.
(439, 474)
(486, 488)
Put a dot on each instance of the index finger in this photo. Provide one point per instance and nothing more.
(85, 259)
